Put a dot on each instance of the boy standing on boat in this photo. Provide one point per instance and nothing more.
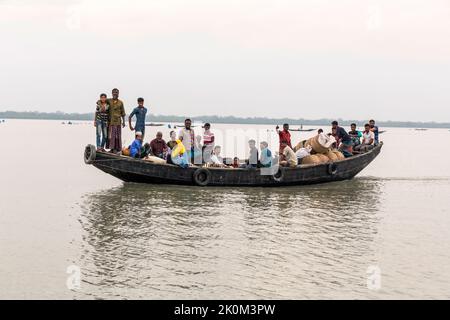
(140, 112)
(284, 135)
(117, 122)
(101, 122)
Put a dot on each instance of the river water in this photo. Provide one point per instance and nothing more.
(69, 231)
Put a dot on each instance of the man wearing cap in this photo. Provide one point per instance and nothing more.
(136, 146)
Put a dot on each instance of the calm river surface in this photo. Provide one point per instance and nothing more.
(167, 242)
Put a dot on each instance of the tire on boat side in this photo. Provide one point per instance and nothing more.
(332, 169)
(279, 175)
(89, 154)
(202, 177)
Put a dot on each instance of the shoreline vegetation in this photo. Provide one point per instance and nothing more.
(35, 115)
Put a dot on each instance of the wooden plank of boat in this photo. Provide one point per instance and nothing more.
(142, 171)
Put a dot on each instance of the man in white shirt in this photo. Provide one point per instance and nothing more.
(187, 136)
(368, 139)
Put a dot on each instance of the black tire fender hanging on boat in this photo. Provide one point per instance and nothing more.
(202, 177)
(89, 154)
(279, 175)
(332, 169)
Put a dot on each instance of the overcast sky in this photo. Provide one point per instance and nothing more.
(352, 59)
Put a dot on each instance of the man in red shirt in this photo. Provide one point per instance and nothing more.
(284, 135)
(158, 146)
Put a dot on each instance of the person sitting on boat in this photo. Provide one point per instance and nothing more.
(179, 155)
(289, 156)
(216, 158)
(140, 112)
(208, 143)
(266, 155)
(284, 135)
(355, 135)
(375, 131)
(235, 164)
(368, 139)
(170, 146)
(158, 146)
(101, 122)
(252, 162)
(136, 147)
(187, 136)
(343, 138)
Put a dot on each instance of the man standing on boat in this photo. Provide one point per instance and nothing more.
(187, 136)
(140, 112)
(117, 121)
(285, 136)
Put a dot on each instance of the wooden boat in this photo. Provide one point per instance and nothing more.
(302, 130)
(143, 171)
(154, 124)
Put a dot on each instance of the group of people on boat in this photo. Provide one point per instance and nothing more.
(185, 148)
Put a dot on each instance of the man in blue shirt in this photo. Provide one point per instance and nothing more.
(140, 112)
(344, 139)
(374, 129)
(266, 155)
(136, 146)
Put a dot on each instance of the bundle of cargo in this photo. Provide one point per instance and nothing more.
(312, 159)
(323, 158)
(338, 154)
(321, 143)
(332, 156)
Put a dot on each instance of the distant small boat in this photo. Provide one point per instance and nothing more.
(383, 131)
(302, 130)
(421, 129)
(154, 124)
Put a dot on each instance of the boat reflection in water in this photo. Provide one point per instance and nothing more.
(144, 241)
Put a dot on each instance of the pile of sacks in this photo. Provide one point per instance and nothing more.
(319, 149)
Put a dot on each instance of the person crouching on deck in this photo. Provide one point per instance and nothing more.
(343, 138)
(289, 156)
(136, 147)
(180, 156)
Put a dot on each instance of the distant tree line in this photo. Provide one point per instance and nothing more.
(219, 119)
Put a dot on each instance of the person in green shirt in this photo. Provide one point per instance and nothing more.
(117, 121)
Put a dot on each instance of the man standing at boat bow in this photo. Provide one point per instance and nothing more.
(117, 121)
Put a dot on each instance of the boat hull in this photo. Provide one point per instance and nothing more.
(142, 171)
